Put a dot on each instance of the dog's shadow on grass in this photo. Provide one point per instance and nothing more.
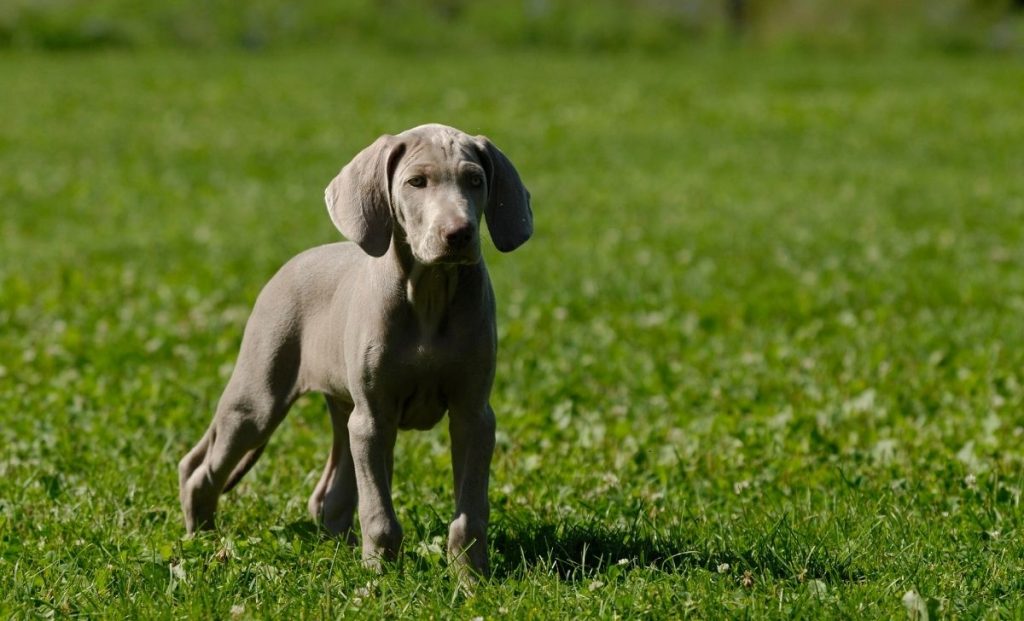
(574, 550)
(305, 530)
(567, 550)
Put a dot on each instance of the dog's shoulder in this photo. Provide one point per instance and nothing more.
(314, 274)
(328, 262)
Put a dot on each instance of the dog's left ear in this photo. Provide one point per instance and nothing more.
(508, 214)
(359, 198)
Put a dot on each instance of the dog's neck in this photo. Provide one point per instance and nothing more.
(428, 289)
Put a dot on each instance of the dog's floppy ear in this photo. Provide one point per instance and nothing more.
(508, 214)
(359, 198)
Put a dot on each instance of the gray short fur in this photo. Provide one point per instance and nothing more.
(395, 328)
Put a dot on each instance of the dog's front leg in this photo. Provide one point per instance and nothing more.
(372, 431)
(472, 446)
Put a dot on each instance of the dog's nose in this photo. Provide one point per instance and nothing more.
(458, 234)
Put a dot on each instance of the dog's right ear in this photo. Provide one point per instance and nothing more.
(359, 198)
(507, 213)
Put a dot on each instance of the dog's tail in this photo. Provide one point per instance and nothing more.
(243, 466)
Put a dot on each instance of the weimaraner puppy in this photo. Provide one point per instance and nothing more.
(395, 330)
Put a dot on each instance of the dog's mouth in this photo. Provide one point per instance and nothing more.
(441, 254)
(461, 257)
(447, 254)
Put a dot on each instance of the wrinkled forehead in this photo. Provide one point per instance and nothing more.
(438, 146)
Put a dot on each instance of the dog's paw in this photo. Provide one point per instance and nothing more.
(467, 550)
(198, 503)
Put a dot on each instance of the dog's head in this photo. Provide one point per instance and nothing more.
(429, 187)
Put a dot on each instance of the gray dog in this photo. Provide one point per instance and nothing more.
(395, 330)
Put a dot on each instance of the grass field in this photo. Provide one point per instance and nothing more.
(763, 357)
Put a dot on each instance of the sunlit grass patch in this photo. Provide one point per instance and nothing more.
(762, 356)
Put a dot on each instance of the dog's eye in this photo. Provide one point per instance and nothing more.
(419, 181)
(476, 181)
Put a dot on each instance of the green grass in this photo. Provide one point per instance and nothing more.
(763, 356)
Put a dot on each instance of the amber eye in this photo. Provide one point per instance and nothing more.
(419, 181)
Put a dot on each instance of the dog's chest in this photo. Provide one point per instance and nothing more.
(427, 373)
(422, 407)
(437, 347)
(421, 367)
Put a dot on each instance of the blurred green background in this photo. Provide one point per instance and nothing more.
(589, 25)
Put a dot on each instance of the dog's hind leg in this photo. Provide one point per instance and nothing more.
(193, 458)
(259, 394)
(240, 427)
(333, 502)
(247, 462)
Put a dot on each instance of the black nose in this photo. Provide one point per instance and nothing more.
(459, 235)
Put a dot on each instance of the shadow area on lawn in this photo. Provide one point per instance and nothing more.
(306, 530)
(574, 550)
